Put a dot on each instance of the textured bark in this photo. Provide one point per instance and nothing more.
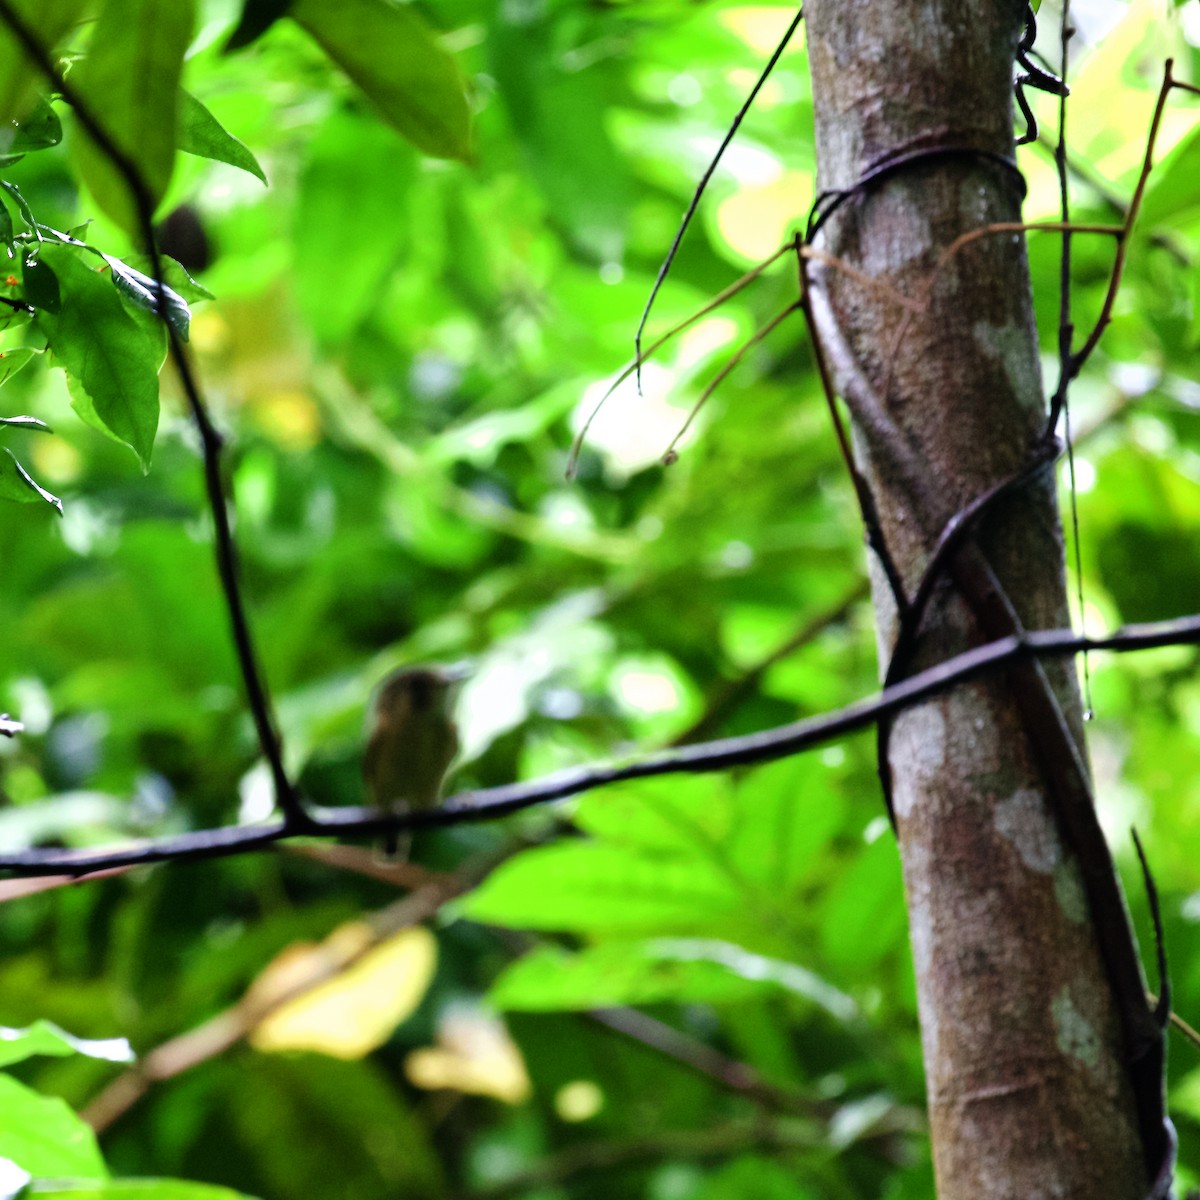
(1027, 1088)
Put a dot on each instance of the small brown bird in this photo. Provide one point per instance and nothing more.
(412, 744)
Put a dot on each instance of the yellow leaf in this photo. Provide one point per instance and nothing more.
(356, 1011)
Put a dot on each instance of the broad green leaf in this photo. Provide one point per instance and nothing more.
(49, 20)
(11, 361)
(111, 360)
(17, 484)
(6, 226)
(137, 1189)
(202, 134)
(657, 970)
(44, 1136)
(129, 81)
(389, 52)
(43, 1037)
(589, 887)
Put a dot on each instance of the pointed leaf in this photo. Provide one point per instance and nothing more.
(202, 134)
(390, 53)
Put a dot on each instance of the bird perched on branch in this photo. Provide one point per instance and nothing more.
(412, 743)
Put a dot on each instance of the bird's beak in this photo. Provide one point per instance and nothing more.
(458, 672)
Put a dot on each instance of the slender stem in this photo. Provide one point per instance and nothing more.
(288, 800)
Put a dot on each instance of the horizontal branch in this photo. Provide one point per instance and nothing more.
(492, 803)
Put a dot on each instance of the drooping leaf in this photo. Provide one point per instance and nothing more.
(202, 134)
(129, 81)
(389, 52)
(111, 360)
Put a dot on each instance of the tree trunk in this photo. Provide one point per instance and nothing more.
(1026, 1052)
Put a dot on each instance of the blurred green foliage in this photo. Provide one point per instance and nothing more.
(400, 352)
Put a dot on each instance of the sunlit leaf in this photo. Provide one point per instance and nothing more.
(202, 134)
(42, 1135)
(43, 1037)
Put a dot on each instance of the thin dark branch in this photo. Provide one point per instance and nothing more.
(296, 818)
(730, 134)
(726, 1072)
(766, 746)
(1114, 283)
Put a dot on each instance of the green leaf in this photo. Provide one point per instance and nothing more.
(49, 20)
(202, 134)
(11, 361)
(137, 1189)
(390, 53)
(43, 1037)
(681, 970)
(37, 130)
(257, 17)
(17, 484)
(129, 82)
(142, 292)
(42, 1135)
(587, 887)
(111, 360)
